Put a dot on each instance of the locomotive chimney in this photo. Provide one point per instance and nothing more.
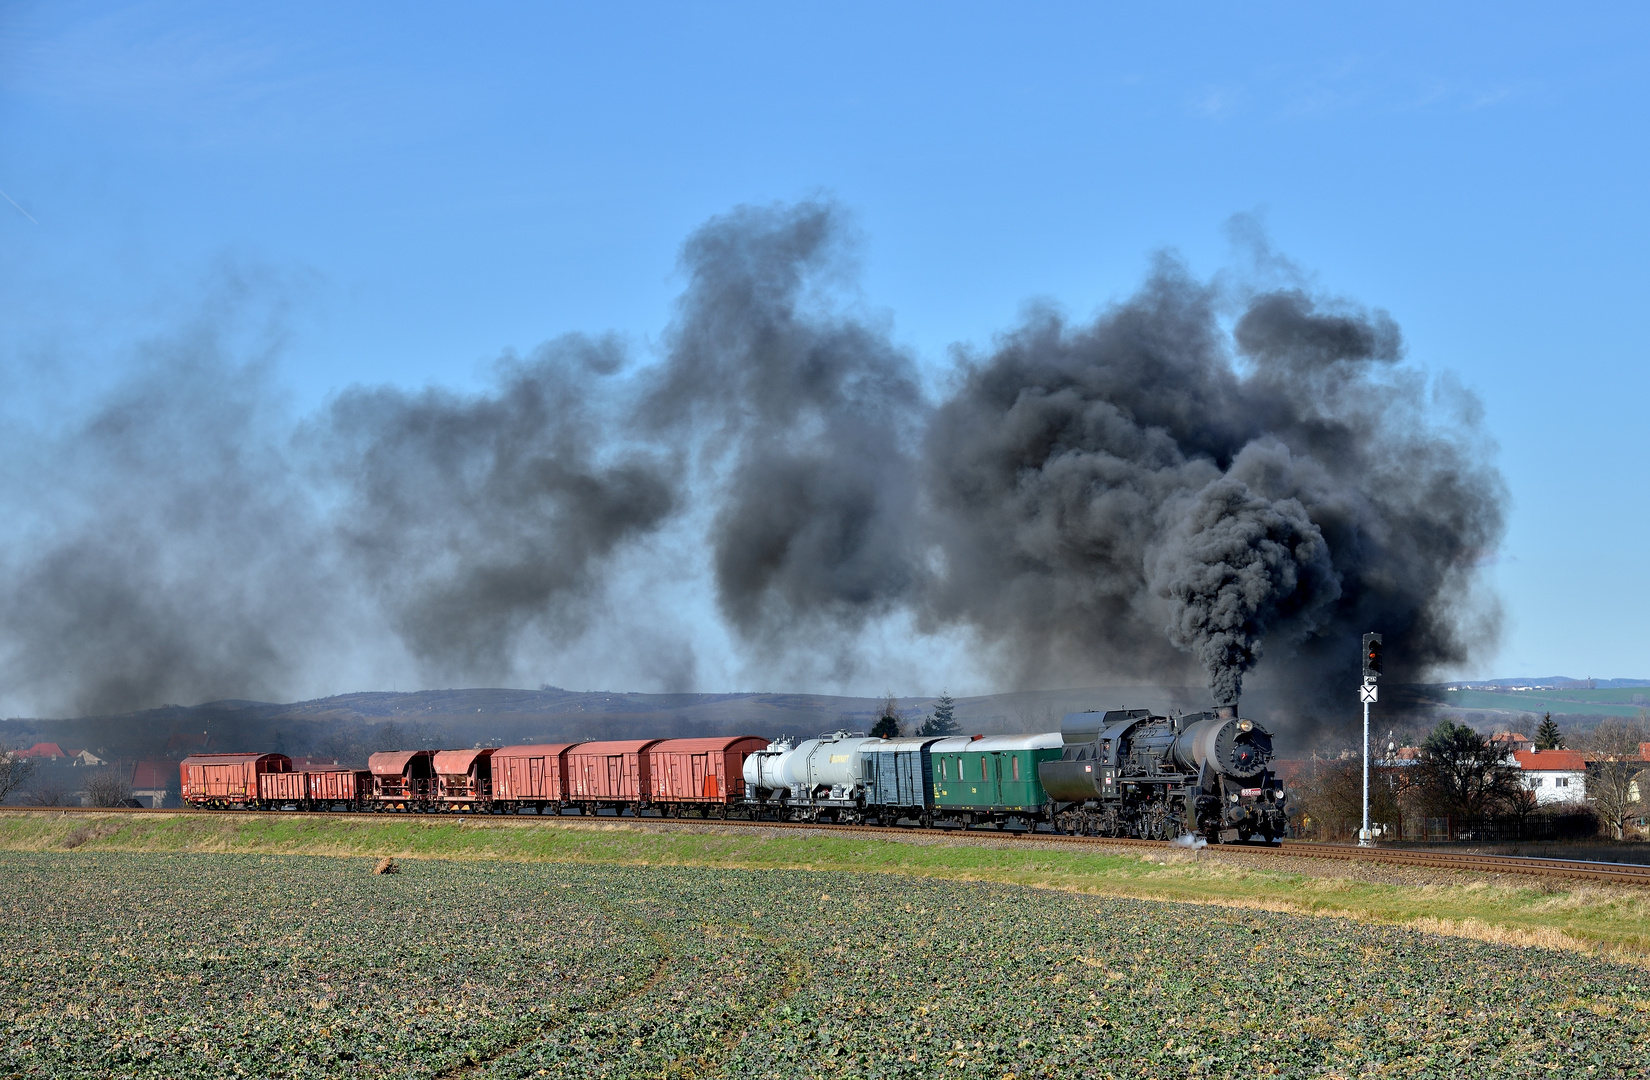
(1226, 712)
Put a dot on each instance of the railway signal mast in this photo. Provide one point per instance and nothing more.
(1367, 695)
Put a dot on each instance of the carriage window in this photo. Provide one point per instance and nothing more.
(983, 760)
(945, 772)
(1016, 760)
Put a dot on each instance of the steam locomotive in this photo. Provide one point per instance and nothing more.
(1120, 773)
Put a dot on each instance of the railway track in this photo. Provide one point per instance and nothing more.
(1574, 869)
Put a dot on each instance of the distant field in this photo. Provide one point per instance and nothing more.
(1614, 701)
(223, 965)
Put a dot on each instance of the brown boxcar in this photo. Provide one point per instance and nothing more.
(283, 787)
(402, 778)
(464, 778)
(700, 772)
(609, 773)
(328, 786)
(227, 779)
(530, 775)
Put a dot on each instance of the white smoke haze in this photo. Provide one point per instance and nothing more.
(1206, 480)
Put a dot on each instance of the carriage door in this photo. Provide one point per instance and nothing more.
(615, 776)
(535, 777)
(996, 781)
(703, 783)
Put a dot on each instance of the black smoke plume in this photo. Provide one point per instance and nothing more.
(804, 420)
(1197, 478)
(1111, 492)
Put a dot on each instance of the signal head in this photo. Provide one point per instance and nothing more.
(1372, 656)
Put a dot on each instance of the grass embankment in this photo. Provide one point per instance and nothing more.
(1611, 921)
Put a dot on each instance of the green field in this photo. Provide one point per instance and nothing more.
(216, 965)
(1611, 701)
(1610, 921)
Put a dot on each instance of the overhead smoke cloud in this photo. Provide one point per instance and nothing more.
(1203, 481)
(805, 422)
(472, 520)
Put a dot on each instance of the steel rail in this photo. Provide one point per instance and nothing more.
(1575, 869)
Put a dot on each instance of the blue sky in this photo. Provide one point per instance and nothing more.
(412, 190)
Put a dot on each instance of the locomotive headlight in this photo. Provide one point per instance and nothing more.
(1246, 725)
(1234, 796)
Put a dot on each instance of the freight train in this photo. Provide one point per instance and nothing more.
(1119, 773)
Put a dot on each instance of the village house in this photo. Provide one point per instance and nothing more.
(1511, 742)
(1555, 776)
(151, 780)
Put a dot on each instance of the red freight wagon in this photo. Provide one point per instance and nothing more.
(348, 786)
(533, 775)
(609, 773)
(282, 787)
(700, 772)
(404, 779)
(227, 779)
(464, 778)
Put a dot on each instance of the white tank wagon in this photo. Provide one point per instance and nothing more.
(816, 780)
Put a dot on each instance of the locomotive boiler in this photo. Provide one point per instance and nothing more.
(1129, 772)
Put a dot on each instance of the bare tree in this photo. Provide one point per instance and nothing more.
(111, 787)
(1330, 796)
(1616, 761)
(46, 795)
(14, 770)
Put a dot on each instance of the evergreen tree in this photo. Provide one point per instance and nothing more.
(942, 721)
(887, 725)
(1547, 736)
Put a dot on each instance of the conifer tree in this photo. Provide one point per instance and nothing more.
(1547, 736)
(942, 721)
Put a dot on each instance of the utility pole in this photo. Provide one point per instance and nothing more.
(1367, 695)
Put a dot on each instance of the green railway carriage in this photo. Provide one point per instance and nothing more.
(991, 778)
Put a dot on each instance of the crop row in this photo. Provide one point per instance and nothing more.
(218, 965)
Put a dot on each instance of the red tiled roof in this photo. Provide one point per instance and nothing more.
(44, 750)
(1557, 760)
(1509, 736)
